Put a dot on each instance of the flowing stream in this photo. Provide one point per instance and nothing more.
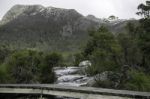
(70, 76)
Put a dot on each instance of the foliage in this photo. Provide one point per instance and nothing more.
(50, 60)
(23, 66)
(144, 10)
(144, 35)
(4, 77)
(103, 51)
(29, 66)
(4, 52)
(138, 81)
(53, 59)
(130, 49)
(78, 58)
(112, 17)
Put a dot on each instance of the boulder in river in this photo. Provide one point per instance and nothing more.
(85, 63)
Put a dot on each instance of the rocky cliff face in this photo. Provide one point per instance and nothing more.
(46, 28)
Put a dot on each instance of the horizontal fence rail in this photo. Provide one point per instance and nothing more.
(70, 91)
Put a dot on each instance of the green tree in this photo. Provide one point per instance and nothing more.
(143, 31)
(112, 17)
(144, 42)
(144, 10)
(129, 42)
(103, 51)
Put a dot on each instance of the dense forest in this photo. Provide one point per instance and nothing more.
(125, 56)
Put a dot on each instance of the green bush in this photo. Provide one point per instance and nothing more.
(28, 66)
(23, 66)
(49, 61)
(4, 52)
(4, 77)
(78, 58)
(138, 81)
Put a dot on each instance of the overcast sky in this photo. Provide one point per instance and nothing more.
(124, 9)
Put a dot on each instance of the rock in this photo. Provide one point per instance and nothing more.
(84, 66)
(103, 76)
(107, 76)
(85, 63)
(91, 82)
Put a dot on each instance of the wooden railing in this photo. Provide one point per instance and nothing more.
(69, 91)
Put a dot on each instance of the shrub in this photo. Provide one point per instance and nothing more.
(50, 60)
(23, 66)
(138, 81)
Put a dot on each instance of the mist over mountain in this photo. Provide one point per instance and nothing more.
(50, 28)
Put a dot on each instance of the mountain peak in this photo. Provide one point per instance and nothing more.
(17, 10)
(17, 6)
(30, 10)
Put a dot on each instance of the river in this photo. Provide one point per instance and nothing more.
(70, 76)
